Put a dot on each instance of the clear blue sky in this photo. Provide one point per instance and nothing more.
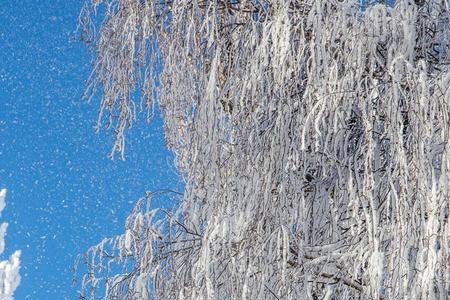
(63, 193)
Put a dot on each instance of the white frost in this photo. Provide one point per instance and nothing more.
(9, 269)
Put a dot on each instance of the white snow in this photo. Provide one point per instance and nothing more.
(9, 269)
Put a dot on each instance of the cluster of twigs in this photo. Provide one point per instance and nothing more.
(312, 137)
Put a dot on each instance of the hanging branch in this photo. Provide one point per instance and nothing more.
(312, 138)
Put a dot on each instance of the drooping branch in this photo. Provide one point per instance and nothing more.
(312, 138)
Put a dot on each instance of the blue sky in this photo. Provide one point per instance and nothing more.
(64, 194)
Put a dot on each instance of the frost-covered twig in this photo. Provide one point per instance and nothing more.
(312, 138)
(9, 269)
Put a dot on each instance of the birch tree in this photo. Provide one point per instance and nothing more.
(312, 137)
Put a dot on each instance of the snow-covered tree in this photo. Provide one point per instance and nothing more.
(312, 137)
(9, 269)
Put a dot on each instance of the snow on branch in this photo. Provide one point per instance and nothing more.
(312, 137)
(9, 269)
